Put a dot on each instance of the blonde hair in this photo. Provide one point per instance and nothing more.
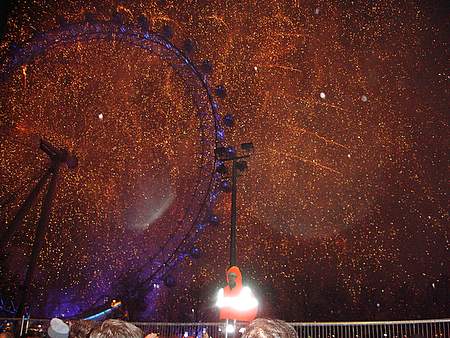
(269, 328)
(115, 328)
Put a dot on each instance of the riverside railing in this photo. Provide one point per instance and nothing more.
(435, 328)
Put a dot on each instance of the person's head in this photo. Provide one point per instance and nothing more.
(115, 328)
(58, 329)
(234, 277)
(81, 328)
(152, 335)
(269, 328)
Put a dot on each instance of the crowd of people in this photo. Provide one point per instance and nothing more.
(116, 328)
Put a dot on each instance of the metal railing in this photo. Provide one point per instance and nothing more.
(435, 328)
(439, 328)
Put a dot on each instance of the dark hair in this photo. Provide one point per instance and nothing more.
(269, 328)
(115, 328)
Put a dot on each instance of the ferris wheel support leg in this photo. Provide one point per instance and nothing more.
(24, 208)
(39, 239)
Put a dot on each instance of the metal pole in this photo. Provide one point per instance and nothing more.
(233, 233)
(40, 236)
(22, 328)
(226, 329)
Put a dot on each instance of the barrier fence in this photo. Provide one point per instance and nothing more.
(436, 328)
(390, 329)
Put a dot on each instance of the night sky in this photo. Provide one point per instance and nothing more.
(343, 210)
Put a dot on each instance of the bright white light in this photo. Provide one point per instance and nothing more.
(242, 330)
(364, 98)
(245, 301)
(230, 328)
(186, 334)
(317, 11)
(100, 116)
(255, 68)
(322, 95)
(220, 303)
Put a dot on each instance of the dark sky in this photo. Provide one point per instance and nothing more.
(343, 211)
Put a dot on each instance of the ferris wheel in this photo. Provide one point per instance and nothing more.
(184, 172)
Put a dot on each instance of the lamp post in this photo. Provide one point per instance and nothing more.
(233, 233)
(226, 154)
(236, 302)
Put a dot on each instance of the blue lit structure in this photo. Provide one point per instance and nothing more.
(211, 132)
(105, 313)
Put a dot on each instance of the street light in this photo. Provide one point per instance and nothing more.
(225, 154)
(243, 305)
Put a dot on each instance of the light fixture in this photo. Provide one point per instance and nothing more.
(248, 147)
(241, 165)
(220, 152)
